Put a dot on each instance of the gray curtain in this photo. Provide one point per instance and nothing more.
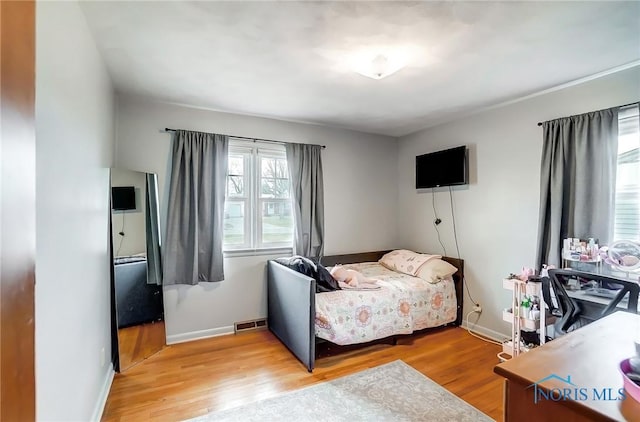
(577, 186)
(193, 250)
(152, 221)
(305, 171)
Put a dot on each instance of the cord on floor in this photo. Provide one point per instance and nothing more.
(488, 340)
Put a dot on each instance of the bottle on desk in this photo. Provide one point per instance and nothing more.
(525, 307)
(535, 312)
(592, 249)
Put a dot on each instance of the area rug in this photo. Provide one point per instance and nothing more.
(391, 392)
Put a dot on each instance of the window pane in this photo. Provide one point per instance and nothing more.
(268, 188)
(235, 186)
(281, 169)
(268, 167)
(282, 188)
(234, 223)
(236, 164)
(274, 167)
(277, 222)
(274, 188)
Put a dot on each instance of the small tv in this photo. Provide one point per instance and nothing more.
(123, 198)
(442, 168)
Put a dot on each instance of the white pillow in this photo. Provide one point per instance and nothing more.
(435, 270)
(406, 261)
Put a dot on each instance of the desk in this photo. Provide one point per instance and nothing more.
(590, 356)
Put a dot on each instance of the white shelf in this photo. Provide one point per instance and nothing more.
(507, 347)
(519, 289)
(526, 323)
(567, 257)
(533, 288)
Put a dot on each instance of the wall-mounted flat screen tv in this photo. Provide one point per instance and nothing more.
(442, 168)
(123, 198)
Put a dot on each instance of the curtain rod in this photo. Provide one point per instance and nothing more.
(166, 129)
(622, 106)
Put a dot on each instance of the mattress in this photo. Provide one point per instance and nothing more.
(402, 305)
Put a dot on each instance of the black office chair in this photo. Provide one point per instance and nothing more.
(623, 287)
(568, 311)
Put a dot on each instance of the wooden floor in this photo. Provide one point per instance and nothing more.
(139, 342)
(192, 379)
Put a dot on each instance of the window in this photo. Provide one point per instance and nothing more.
(257, 211)
(627, 207)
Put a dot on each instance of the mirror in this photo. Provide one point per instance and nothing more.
(624, 255)
(137, 275)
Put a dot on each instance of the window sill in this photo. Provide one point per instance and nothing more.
(237, 253)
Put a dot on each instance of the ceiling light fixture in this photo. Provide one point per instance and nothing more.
(380, 66)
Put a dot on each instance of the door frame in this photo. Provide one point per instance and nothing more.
(17, 211)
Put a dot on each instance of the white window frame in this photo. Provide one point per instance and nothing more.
(269, 153)
(627, 125)
(253, 202)
(246, 199)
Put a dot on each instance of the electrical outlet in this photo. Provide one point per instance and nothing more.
(102, 357)
(477, 308)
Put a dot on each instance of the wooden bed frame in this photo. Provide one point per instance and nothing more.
(292, 309)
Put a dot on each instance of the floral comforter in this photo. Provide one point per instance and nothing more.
(402, 305)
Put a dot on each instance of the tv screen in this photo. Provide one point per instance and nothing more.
(123, 198)
(442, 168)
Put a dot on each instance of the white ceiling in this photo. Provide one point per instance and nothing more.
(289, 60)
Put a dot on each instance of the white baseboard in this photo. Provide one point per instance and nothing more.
(486, 332)
(103, 395)
(199, 335)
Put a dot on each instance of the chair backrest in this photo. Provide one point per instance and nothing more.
(572, 310)
(569, 309)
(627, 287)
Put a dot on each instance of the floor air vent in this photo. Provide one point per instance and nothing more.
(256, 324)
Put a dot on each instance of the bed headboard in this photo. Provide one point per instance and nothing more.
(458, 280)
(374, 256)
(331, 260)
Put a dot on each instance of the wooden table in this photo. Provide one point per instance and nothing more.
(590, 356)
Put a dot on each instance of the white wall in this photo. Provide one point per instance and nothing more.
(130, 222)
(360, 181)
(497, 214)
(74, 150)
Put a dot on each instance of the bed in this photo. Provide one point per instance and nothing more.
(137, 302)
(302, 319)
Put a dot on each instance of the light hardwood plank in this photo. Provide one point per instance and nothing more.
(139, 342)
(192, 379)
